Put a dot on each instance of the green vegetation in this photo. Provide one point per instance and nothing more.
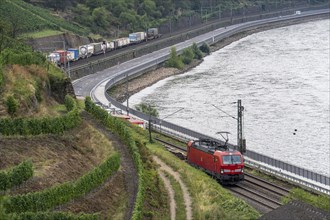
(35, 126)
(12, 105)
(187, 55)
(147, 109)
(52, 216)
(319, 201)
(70, 102)
(174, 60)
(210, 200)
(205, 48)
(60, 194)
(178, 197)
(16, 175)
(25, 17)
(119, 128)
(197, 53)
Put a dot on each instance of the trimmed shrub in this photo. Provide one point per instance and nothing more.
(205, 48)
(16, 175)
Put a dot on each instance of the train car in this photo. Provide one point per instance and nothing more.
(153, 33)
(73, 54)
(121, 42)
(217, 160)
(97, 48)
(86, 51)
(137, 37)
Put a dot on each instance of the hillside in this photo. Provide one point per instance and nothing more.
(111, 19)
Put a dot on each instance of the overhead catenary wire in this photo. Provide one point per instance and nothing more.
(224, 112)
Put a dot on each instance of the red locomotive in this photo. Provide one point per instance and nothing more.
(224, 164)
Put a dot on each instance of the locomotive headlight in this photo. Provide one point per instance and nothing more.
(221, 171)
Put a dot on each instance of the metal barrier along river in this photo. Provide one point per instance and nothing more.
(297, 174)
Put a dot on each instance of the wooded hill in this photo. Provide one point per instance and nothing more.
(106, 17)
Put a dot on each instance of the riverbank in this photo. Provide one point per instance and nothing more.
(149, 78)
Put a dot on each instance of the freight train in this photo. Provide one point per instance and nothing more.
(62, 57)
(217, 160)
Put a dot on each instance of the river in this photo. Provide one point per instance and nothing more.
(282, 78)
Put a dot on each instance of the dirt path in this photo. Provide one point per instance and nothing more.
(177, 177)
(170, 193)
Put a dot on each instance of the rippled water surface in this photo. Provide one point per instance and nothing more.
(282, 78)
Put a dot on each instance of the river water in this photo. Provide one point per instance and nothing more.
(282, 78)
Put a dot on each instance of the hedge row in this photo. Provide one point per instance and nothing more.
(118, 127)
(35, 126)
(52, 216)
(60, 194)
(16, 176)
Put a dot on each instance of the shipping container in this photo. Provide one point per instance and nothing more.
(73, 54)
(110, 45)
(54, 58)
(86, 51)
(137, 37)
(121, 42)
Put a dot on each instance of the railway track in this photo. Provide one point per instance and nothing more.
(259, 193)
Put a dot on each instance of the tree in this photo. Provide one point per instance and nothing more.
(174, 60)
(100, 17)
(197, 52)
(187, 55)
(205, 48)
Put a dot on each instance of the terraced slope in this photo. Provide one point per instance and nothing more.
(28, 18)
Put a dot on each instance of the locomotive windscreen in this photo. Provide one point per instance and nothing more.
(231, 159)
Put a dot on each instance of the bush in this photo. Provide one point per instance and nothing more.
(197, 53)
(174, 60)
(70, 102)
(11, 105)
(16, 176)
(205, 48)
(187, 55)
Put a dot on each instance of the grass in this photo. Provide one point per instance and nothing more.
(42, 33)
(178, 196)
(319, 201)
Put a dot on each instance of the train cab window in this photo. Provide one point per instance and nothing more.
(231, 159)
